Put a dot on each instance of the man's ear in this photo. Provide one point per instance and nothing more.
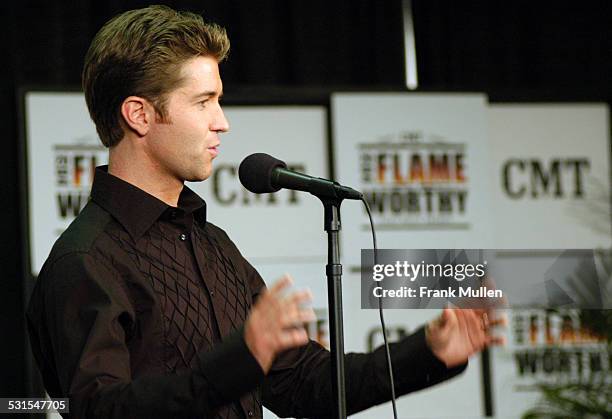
(137, 114)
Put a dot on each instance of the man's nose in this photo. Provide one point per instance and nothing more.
(220, 123)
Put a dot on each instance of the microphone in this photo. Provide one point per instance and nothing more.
(262, 173)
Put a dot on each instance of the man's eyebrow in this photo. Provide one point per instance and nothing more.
(207, 93)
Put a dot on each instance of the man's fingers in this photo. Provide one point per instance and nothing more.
(481, 311)
(297, 317)
(294, 302)
(276, 321)
(291, 338)
(487, 319)
(501, 320)
(307, 315)
(445, 317)
(284, 282)
(464, 324)
(496, 340)
(290, 307)
(475, 329)
(299, 297)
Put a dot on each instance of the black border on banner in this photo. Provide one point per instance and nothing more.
(33, 380)
(270, 96)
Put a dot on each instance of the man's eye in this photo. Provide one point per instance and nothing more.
(203, 103)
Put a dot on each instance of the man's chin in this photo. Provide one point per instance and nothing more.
(199, 177)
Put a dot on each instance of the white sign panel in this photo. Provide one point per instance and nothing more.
(550, 348)
(552, 175)
(552, 190)
(63, 149)
(421, 161)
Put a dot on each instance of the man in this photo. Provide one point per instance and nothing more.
(143, 308)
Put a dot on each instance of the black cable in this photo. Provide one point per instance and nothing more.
(382, 317)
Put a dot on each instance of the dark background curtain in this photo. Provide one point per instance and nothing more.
(516, 50)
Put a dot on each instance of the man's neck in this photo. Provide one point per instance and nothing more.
(143, 174)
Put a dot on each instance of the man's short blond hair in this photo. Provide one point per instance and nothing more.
(140, 53)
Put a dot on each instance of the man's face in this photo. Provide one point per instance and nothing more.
(185, 146)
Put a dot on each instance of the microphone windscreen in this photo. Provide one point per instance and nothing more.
(255, 172)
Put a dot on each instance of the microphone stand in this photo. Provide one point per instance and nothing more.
(261, 173)
(334, 299)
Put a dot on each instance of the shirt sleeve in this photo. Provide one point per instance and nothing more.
(80, 318)
(299, 382)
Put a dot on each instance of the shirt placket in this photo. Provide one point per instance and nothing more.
(208, 276)
(187, 242)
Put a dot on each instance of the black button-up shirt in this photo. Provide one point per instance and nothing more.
(139, 309)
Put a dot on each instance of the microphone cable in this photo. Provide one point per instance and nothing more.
(380, 311)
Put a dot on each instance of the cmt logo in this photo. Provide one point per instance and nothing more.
(227, 190)
(558, 178)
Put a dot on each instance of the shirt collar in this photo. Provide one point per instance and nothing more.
(135, 209)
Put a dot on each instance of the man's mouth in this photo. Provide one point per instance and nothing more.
(214, 150)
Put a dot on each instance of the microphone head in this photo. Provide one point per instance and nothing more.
(255, 172)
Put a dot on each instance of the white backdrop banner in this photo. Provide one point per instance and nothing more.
(553, 348)
(421, 162)
(552, 190)
(552, 175)
(62, 149)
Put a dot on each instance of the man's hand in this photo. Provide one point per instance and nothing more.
(459, 333)
(276, 322)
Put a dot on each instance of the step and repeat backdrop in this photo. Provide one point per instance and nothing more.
(438, 171)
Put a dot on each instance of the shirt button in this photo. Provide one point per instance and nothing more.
(212, 293)
(173, 214)
(183, 237)
(250, 413)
